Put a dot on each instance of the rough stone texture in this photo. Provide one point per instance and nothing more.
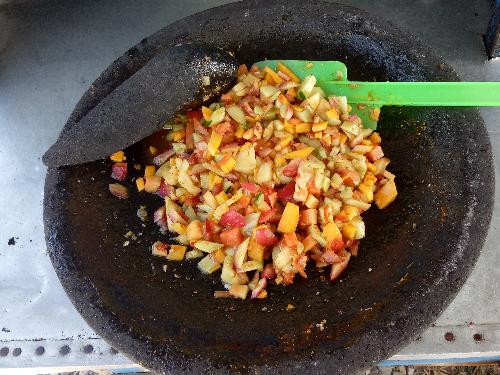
(421, 249)
(143, 103)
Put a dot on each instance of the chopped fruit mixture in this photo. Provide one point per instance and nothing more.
(270, 179)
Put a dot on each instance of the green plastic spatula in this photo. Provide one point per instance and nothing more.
(365, 96)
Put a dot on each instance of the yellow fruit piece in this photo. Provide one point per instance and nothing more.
(149, 170)
(297, 108)
(118, 156)
(285, 141)
(140, 184)
(299, 153)
(279, 161)
(369, 179)
(331, 232)
(255, 251)
(214, 143)
(386, 194)
(176, 252)
(179, 228)
(350, 211)
(227, 165)
(332, 114)
(303, 127)
(320, 126)
(178, 135)
(284, 69)
(219, 255)
(221, 197)
(370, 167)
(343, 138)
(289, 127)
(207, 113)
(366, 191)
(349, 230)
(213, 180)
(276, 78)
(289, 219)
(239, 132)
(375, 138)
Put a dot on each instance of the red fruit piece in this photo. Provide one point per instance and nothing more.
(119, 171)
(232, 219)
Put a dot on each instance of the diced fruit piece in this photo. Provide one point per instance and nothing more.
(239, 291)
(165, 189)
(163, 157)
(207, 246)
(227, 165)
(309, 243)
(291, 169)
(232, 219)
(152, 183)
(255, 250)
(331, 232)
(303, 127)
(149, 170)
(290, 218)
(194, 231)
(229, 275)
(176, 252)
(118, 156)
(119, 171)
(268, 272)
(338, 268)
(286, 192)
(251, 265)
(240, 255)
(272, 215)
(159, 249)
(290, 240)
(264, 237)
(139, 183)
(303, 153)
(315, 233)
(118, 190)
(217, 116)
(349, 230)
(250, 187)
(375, 154)
(306, 87)
(264, 173)
(236, 113)
(218, 255)
(194, 254)
(208, 265)
(386, 194)
(245, 159)
(375, 138)
(284, 69)
(231, 237)
(214, 143)
(308, 217)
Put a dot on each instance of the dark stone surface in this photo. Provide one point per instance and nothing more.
(492, 36)
(420, 249)
(143, 103)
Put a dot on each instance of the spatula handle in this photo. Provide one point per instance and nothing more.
(482, 94)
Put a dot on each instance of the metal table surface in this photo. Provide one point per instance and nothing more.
(51, 51)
